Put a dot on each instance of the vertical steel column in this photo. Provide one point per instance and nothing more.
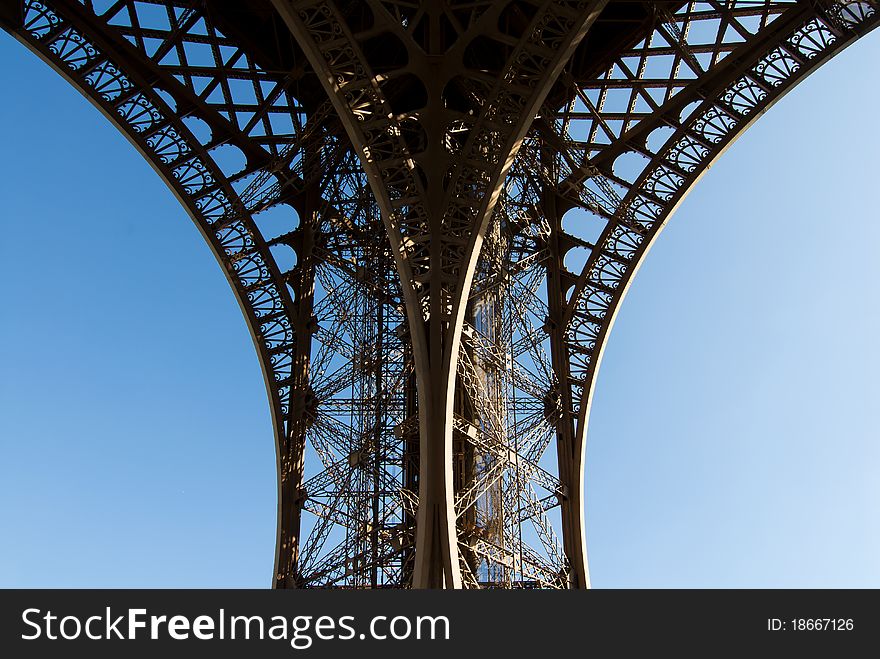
(437, 202)
(435, 100)
(302, 400)
(570, 443)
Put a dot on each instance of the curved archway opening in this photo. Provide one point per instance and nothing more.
(733, 439)
(136, 438)
(89, 251)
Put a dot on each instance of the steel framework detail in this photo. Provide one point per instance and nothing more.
(430, 213)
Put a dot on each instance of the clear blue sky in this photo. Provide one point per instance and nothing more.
(735, 438)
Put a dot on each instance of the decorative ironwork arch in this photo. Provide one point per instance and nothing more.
(728, 63)
(186, 95)
(384, 184)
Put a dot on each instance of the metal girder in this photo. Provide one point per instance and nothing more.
(397, 192)
(629, 152)
(161, 116)
(436, 171)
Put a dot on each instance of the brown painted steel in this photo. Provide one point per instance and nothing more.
(398, 193)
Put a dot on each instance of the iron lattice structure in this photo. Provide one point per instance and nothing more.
(429, 213)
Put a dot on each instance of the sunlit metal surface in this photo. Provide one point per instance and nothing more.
(429, 213)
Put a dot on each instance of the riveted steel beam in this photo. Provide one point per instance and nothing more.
(430, 214)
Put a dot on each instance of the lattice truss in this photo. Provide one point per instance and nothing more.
(256, 168)
(631, 141)
(224, 103)
(509, 492)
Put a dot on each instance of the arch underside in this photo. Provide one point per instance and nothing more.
(346, 287)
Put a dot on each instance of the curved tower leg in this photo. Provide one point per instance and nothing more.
(430, 359)
(436, 196)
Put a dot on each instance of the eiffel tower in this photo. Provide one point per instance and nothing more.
(429, 213)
